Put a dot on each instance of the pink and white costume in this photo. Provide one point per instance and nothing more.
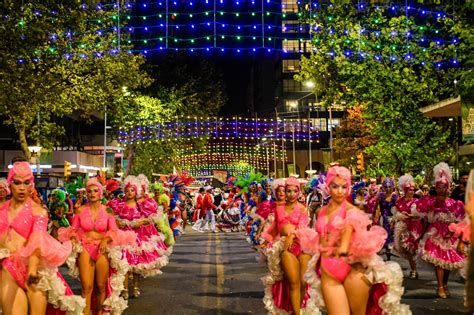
(408, 229)
(105, 225)
(33, 229)
(149, 253)
(386, 277)
(439, 245)
(277, 296)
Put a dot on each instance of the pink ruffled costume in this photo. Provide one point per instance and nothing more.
(408, 230)
(149, 253)
(33, 228)
(386, 277)
(106, 226)
(277, 289)
(438, 246)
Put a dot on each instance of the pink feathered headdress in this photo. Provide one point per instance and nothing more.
(95, 182)
(4, 185)
(442, 174)
(405, 182)
(292, 181)
(22, 169)
(340, 171)
(278, 183)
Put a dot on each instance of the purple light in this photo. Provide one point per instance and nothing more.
(393, 8)
(269, 50)
(393, 33)
(422, 40)
(83, 6)
(455, 62)
(192, 25)
(377, 57)
(21, 60)
(438, 42)
(408, 57)
(238, 27)
(98, 7)
(238, 50)
(207, 49)
(190, 3)
(393, 58)
(253, 49)
(67, 56)
(438, 65)
(144, 5)
(145, 52)
(423, 12)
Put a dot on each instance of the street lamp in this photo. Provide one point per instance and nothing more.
(35, 151)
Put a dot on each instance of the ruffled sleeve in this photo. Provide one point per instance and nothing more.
(271, 232)
(148, 207)
(65, 234)
(119, 237)
(422, 206)
(308, 239)
(461, 229)
(366, 241)
(51, 252)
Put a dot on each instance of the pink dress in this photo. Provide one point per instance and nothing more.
(408, 230)
(149, 253)
(385, 277)
(371, 205)
(438, 246)
(106, 226)
(33, 228)
(277, 289)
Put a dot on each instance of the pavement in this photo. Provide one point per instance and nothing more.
(219, 273)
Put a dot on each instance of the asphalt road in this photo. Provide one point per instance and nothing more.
(220, 274)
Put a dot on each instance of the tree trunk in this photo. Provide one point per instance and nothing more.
(23, 142)
(130, 156)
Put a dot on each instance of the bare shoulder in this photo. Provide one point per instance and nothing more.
(38, 210)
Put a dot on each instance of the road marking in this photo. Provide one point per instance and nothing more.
(206, 270)
(220, 274)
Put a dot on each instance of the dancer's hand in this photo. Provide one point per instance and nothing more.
(32, 280)
(289, 241)
(103, 246)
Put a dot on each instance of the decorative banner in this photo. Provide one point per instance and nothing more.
(220, 176)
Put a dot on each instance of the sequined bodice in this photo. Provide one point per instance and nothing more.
(297, 217)
(84, 220)
(24, 223)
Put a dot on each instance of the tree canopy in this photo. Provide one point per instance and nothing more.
(57, 57)
(392, 63)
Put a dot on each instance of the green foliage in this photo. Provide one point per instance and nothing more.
(346, 72)
(53, 62)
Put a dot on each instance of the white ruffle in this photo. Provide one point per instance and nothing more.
(428, 258)
(71, 261)
(400, 244)
(55, 291)
(436, 216)
(391, 274)
(115, 303)
(276, 274)
(151, 244)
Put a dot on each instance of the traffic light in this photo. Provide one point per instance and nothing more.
(360, 162)
(67, 168)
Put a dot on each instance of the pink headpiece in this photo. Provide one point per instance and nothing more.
(340, 171)
(95, 182)
(278, 183)
(373, 188)
(131, 182)
(22, 169)
(292, 181)
(4, 185)
(405, 182)
(442, 174)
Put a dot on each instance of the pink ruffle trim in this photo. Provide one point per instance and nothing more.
(52, 253)
(461, 229)
(122, 238)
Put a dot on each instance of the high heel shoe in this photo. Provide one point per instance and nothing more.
(413, 275)
(441, 293)
(136, 292)
(446, 291)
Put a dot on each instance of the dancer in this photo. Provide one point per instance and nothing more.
(372, 200)
(408, 228)
(387, 199)
(58, 209)
(29, 256)
(149, 253)
(286, 261)
(97, 257)
(314, 200)
(4, 191)
(439, 246)
(345, 267)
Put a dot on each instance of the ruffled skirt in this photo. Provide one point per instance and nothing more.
(407, 236)
(277, 289)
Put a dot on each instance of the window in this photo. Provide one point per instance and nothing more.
(297, 45)
(291, 66)
(290, 85)
(289, 6)
(291, 105)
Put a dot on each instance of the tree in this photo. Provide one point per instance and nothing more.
(182, 87)
(393, 63)
(352, 136)
(57, 57)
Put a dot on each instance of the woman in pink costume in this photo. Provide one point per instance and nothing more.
(345, 267)
(408, 226)
(97, 253)
(372, 199)
(439, 245)
(30, 282)
(285, 288)
(147, 256)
